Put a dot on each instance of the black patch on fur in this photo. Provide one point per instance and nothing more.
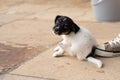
(92, 53)
(64, 25)
(58, 16)
(75, 28)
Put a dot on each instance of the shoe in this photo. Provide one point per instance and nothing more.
(113, 45)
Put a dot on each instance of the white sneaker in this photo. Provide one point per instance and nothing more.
(113, 45)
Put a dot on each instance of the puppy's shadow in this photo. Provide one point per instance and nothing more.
(66, 56)
(62, 56)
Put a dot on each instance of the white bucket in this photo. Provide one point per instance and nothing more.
(106, 10)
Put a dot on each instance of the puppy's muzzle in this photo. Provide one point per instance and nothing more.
(57, 30)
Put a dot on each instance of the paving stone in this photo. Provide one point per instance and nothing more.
(16, 12)
(102, 31)
(11, 57)
(30, 32)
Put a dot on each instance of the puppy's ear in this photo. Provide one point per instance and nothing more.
(75, 28)
(58, 16)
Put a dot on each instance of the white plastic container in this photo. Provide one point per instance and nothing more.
(106, 10)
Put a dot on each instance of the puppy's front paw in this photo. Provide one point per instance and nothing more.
(57, 54)
(58, 51)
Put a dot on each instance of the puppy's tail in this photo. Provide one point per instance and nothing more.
(100, 51)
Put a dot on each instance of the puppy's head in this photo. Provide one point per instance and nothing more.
(64, 26)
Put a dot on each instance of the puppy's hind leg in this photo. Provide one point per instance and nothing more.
(58, 51)
(95, 61)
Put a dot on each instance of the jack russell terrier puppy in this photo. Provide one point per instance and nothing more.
(77, 41)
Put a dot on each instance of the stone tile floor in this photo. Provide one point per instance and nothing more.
(28, 23)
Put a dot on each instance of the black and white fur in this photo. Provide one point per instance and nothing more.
(77, 41)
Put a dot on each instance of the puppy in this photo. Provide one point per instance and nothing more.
(77, 41)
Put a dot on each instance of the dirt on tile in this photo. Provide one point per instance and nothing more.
(11, 57)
